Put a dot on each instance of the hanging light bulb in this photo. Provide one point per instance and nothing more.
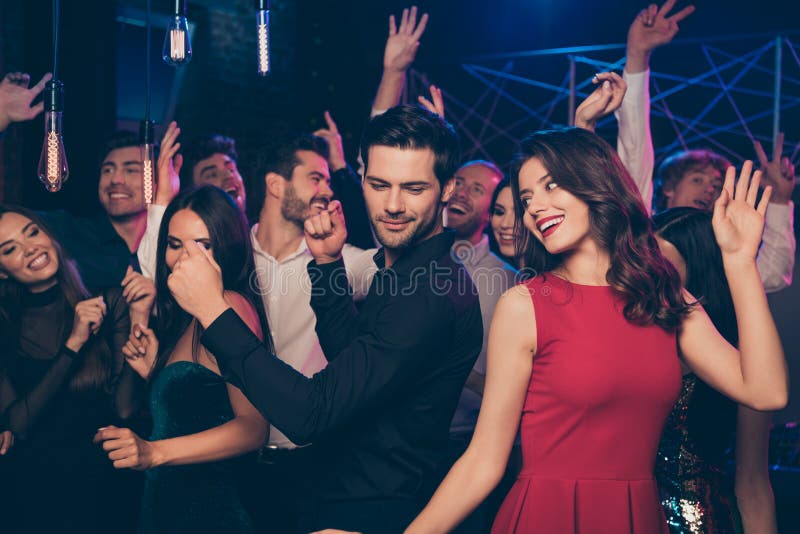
(262, 34)
(177, 46)
(148, 159)
(53, 170)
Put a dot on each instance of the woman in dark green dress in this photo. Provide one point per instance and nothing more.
(200, 423)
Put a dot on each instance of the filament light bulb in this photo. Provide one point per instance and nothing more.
(53, 170)
(148, 160)
(177, 48)
(262, 36)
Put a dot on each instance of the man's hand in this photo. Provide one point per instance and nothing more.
(650, 29)
(779, 173)
(16, 98)
(331, 134)
(604, 100)
(326, 233)
(402, 43)
(196, 285)
(169, 166)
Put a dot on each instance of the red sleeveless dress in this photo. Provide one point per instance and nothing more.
(600, 391)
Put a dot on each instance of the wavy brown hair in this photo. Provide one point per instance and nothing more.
(582, 163)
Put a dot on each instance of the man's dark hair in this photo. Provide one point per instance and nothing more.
(115, 140)
(282, 159)
(411, 128)
(201, 148)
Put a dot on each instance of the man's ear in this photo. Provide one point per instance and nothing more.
(449, 188)
(274, 184)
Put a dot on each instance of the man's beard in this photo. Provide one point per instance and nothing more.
(293, 208)
(417, 231)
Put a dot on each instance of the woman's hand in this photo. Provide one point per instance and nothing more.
(139, 292)
(89, 316)
(738, 222)
(606, 99)
(6, 441)
(127, 450)
(141, 350)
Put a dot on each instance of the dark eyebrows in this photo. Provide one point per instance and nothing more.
(538, 181)
(24, 230)
(132, 162)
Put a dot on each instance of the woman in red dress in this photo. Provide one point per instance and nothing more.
(584, 359)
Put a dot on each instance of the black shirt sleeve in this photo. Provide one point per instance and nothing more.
(126, 386)
(332, 302)
(374, 366)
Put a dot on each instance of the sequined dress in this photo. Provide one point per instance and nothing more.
(600, 391)
(696, 493)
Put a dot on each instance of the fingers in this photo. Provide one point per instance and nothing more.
(423, 22)
(39, 87)
(319, 226)
(760, 154)
(752, 191)
(208, 256)
(777, 147)
(427, 104)
(392, 26)
(666, 7)
(764, 203)
(177, 161)
(331, 124)
(682, 14)
(403, 22)
(720, 206)
(35, 110)
(438, 101)
(744, 181)
(730, 179)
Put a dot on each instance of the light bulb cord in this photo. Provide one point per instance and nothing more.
(56, 29)
(147, 65)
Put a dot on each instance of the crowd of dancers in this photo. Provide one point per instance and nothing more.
(425, 345)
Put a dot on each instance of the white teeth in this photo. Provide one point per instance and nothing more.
(551, 222)
(40, 261)
(506, 237)
(119, 195)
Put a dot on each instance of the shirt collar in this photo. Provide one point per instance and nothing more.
(421, 254)
(302, 248)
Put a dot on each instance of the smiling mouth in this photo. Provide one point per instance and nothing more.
(702, 204)
(548, 225)
(458, 209)
(39, 261)
(506, 238)
(320, 203)
(119, 196)
(395, 225)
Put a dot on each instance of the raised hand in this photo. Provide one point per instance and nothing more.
(6, 441)
(169, 166)
(139, 292)
(126, 449)
(778, 173)
(650, 29)
(141, 350)
(331, 134)
(738, 223)
(196, 284)
(16, 98)
(403, 42)
(603, 100)
(88, 318)
(326, 233)
(436, 103)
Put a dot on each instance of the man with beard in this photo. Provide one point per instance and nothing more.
(296, 185)
(104, 246)
(379, 413)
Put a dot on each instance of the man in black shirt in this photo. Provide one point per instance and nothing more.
(105, 245)
(379, 413)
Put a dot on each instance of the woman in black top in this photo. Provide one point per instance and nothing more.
(62, 374)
